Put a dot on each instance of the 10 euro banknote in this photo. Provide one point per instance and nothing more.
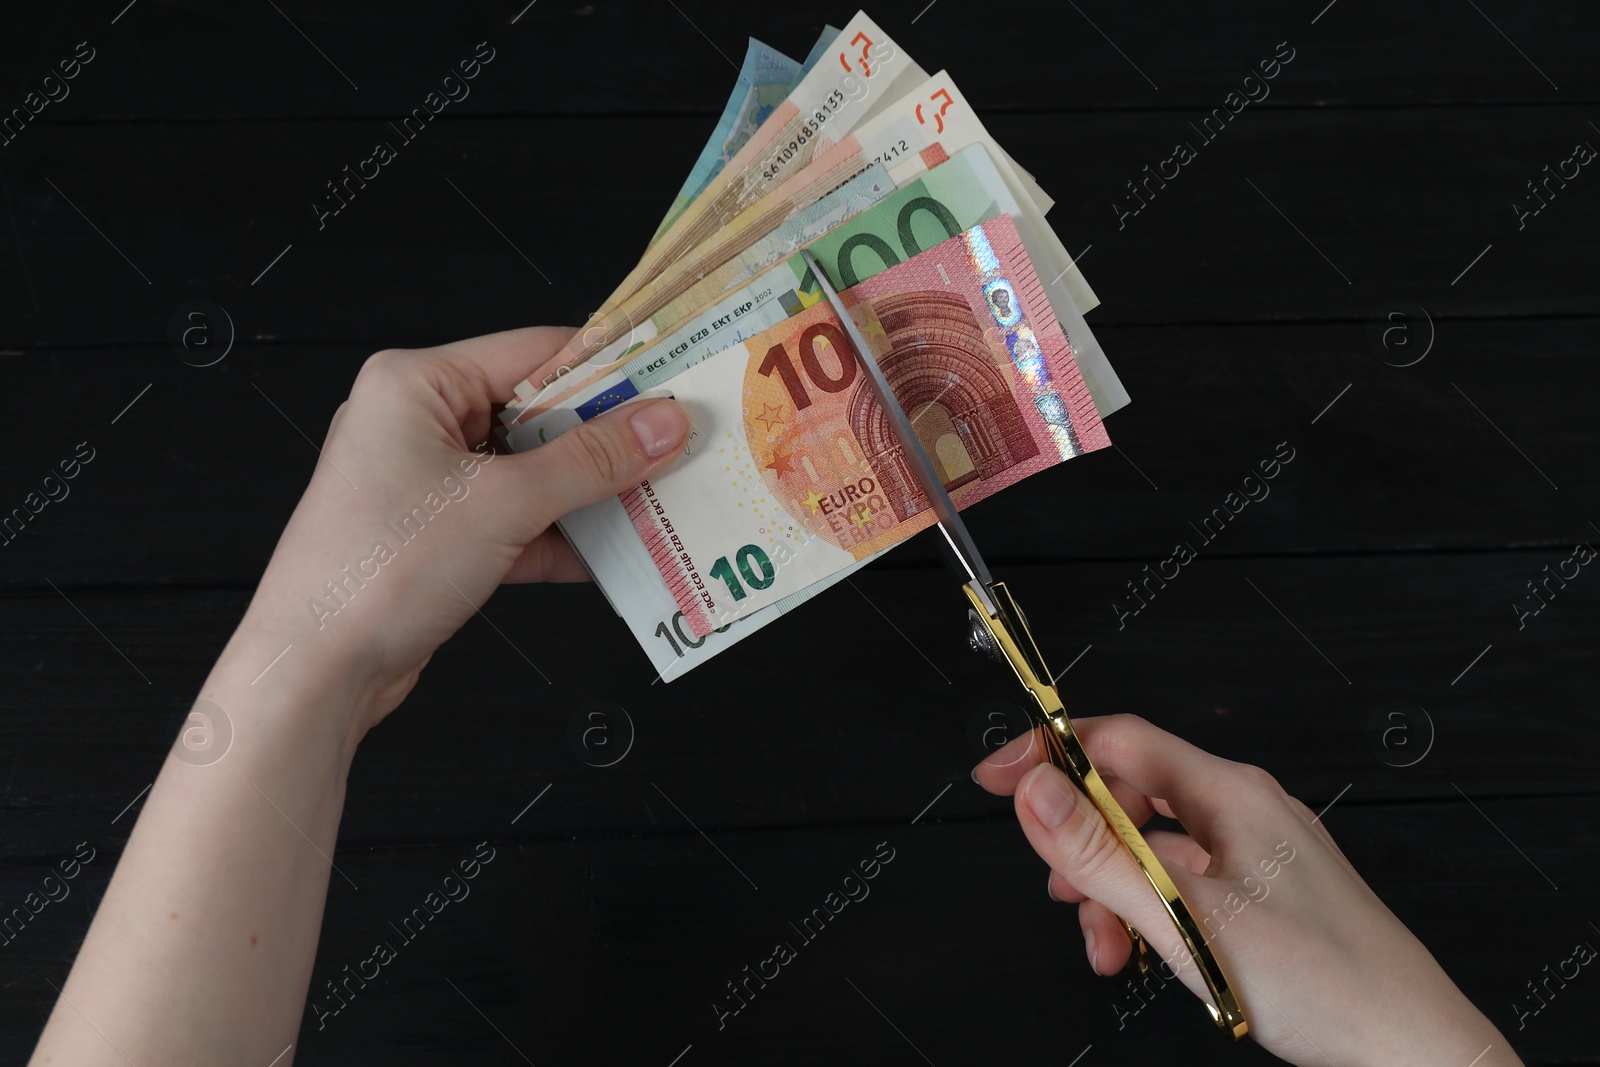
(794, 472)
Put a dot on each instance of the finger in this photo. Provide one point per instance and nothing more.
(1000, 772)
(1106, 942)
(469, 377)
(1072, 837)
(1105, 939)
(1178, 850)
(547, 558)
(1062, 891)
(1196, 786)
(1003, 768)
(593, 460)
(498, 361)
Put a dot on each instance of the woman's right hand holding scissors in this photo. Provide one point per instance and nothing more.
(1324, 972)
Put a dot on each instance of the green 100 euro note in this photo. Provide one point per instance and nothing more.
(794, 471)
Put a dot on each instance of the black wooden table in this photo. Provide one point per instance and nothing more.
(1353, 268)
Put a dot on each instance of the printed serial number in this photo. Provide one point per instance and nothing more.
(893, 152)
(808, 129)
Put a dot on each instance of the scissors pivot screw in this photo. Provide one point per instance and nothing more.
(979, 637)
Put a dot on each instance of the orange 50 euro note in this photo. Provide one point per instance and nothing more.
(795, 472)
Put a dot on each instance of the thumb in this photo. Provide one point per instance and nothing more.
(598, 458)
(1069, 833)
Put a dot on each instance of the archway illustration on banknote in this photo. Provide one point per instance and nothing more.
(940, 365)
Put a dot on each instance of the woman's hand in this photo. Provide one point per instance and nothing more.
(404, 530)
(1324, 972)
(410, 521)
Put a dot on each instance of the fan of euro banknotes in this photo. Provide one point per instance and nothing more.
(937, 243)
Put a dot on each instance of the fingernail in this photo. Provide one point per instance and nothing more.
(1049, 798)
(660, 427)
(1088, 944)
(975, 774)
(1050, 887)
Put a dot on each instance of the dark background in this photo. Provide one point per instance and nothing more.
(1354, 632)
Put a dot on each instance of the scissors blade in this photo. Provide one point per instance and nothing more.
(963, 552)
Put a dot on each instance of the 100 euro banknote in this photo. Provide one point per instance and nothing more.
(795, 472)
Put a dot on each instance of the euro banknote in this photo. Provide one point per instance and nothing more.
(820, 49)
(800, 228)
(722, 281)
(968, 187)
(966, 190)
(829, 101)
(826, 103)
(794, 471)
(929, 208)
(933, 206)
(764, 82)
(909, 136)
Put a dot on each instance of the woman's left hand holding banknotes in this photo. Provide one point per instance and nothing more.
(408, 525)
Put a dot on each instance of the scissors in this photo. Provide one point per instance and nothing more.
(999, 629)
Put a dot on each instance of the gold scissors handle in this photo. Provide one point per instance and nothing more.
(1006, 633)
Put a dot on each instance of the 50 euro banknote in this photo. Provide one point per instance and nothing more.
(795, 472)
